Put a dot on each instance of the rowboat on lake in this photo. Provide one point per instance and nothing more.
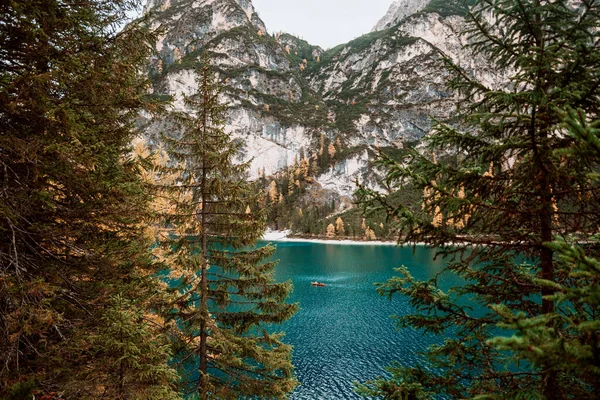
(317, 283)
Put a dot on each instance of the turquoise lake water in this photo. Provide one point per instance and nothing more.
(343, 332)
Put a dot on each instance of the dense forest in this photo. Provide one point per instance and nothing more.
(296, 204)
(129, 268)
(105, 288)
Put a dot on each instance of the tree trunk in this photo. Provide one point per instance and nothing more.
(204, 280)
(549, 384)
(547, 266)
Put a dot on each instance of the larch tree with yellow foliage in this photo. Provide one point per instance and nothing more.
(330, 231)
(331, 150)
(273, 193)
(339, 226)
(225, 298)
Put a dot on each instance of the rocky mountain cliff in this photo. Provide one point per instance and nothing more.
(399, 10)
(290, 100)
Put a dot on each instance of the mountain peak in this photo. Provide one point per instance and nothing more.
(166, 5)
(194, 22)
(399, 10)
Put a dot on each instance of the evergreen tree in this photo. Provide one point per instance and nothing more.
(72, 206)
(226, 300)
(568, 338)
(513, 188)
(128, 350)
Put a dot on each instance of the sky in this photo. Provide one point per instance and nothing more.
(325, 23)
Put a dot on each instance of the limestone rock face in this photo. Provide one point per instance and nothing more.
(379, 90)
(398, 11)
(260, 78)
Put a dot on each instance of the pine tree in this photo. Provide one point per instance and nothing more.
(575, 351)
(226, 297)
(129, 349)
(513, 187)
(72, 206)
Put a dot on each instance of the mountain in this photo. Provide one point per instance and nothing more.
(257, 72)
(398, 11)
(290, 100)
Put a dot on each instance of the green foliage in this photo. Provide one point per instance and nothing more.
(377, 220)
(22, 390)
(365, 41)
(347, 114)
(362, 43)
(160, 98)
(446, 8)
(309, 111)
(410, 389)
(298, 211)
(348, 152)
(243, 34)
(72, 206)
(356, 46)
(300, 49)
(514, 182)
(225, 298)
(353, 101)
(134, 354)
(305, 209)
(569, 338)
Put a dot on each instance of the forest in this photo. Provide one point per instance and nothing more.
(130, 269)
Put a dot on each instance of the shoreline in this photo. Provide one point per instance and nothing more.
(284, 237)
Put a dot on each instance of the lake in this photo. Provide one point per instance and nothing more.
(343, 332)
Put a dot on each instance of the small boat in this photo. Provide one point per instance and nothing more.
(317, 283)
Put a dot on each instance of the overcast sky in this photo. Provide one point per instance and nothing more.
(326, 23)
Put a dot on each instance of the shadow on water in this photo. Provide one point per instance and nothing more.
(343, 332)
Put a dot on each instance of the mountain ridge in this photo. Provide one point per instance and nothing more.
(292, 102)
(398, 10)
